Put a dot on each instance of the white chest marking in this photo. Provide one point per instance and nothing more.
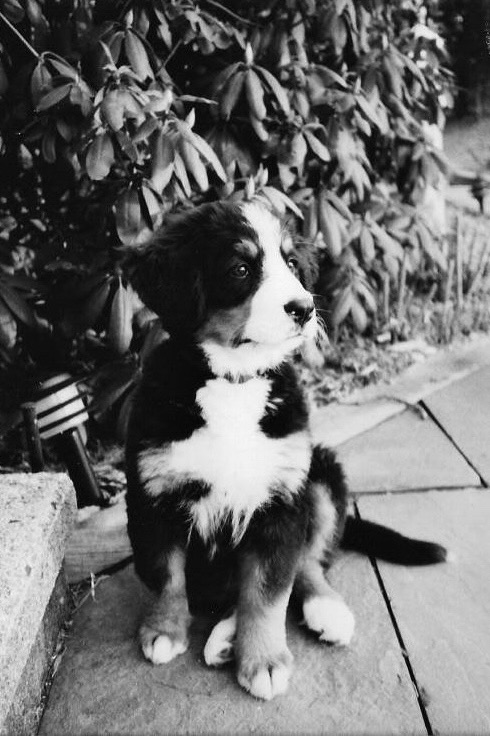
(233, 456)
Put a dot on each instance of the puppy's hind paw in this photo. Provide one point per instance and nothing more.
(331, 618)
(219, 646)
(160, 648)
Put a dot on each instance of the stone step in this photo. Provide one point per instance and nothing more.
(36, 516)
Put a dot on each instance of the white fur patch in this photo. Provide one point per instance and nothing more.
(219, 646)
(162, 649)
(231, 454)
(268, 323)
(267, 682)
(331, 618)
(249, 358)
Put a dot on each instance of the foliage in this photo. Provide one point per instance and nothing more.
(115, 113)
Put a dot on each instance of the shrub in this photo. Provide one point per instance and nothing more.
(115, 113)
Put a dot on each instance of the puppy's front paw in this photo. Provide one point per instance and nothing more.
(160, 648)
(266, 677)
(331, 618)
(219, 646)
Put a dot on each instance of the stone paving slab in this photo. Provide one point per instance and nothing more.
(36, 513)
(463, 409)
(103, 685)
(443, 610)
(404, 453)
(367, 407)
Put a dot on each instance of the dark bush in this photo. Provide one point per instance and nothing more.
(115, 113)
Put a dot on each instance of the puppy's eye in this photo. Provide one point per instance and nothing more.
(240, 271)
(292, 263)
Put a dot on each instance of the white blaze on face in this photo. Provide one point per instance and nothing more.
(269, 323)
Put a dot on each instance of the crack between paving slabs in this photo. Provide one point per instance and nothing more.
(401, 643)
(438, 424)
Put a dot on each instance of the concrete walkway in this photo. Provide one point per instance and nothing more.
(420, 659)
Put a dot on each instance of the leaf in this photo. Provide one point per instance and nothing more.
(230, 94)
(61, 66)
(276, 88)
(310, 222)
(339, 205)
(204, 149)
(120, 329)
(329, 227)
(17, 305)
(280, 200)
(40, 82)
(127, 145)
(224, 75)
(194, 164)
(137, 56)
(8, 328)
(48, 147)
(4, 82)
(316, 146)
(162, 161)
(366, 241)
(388, 244)
(259, 128)
(181, 173)
(328, 76)
(367, 109)
(255, 95)
(112, 111)
(359, 316)
(12, 10)
(127, 211)
(145, 130)
(342, 306)
(53, 97)
(151, 206)
(100, 157)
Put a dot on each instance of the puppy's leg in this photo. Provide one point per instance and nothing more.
(219, 646)
(264, 660)
(163, 633)
(268, 560)
(324, 610)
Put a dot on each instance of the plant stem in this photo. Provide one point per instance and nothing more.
(459, 264)
(229, 12)
(20, 36)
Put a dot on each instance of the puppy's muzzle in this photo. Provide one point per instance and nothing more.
(300, 310)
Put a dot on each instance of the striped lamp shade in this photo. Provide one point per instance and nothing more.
(59, 406)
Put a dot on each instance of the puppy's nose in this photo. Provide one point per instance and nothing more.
(300, 310)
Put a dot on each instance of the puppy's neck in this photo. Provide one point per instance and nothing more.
(247, 360)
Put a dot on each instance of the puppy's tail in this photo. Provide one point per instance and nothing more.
(381, 542)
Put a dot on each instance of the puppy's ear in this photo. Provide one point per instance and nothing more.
(308, 265)
(166, 274)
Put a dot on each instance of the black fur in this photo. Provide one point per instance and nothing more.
(187, 275)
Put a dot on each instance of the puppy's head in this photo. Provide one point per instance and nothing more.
(229, 277)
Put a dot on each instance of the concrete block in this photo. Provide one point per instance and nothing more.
(36, 515)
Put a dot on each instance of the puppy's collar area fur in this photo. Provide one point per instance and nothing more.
(247, 360)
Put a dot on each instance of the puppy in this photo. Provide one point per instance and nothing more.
(228, 498)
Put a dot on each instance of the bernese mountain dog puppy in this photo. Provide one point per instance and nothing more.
(229, 502)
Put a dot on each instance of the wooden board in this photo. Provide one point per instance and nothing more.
(463, 409)
(404, 453)
(103, 684)
(443, 611)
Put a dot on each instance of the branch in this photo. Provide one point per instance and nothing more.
(20, 37)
